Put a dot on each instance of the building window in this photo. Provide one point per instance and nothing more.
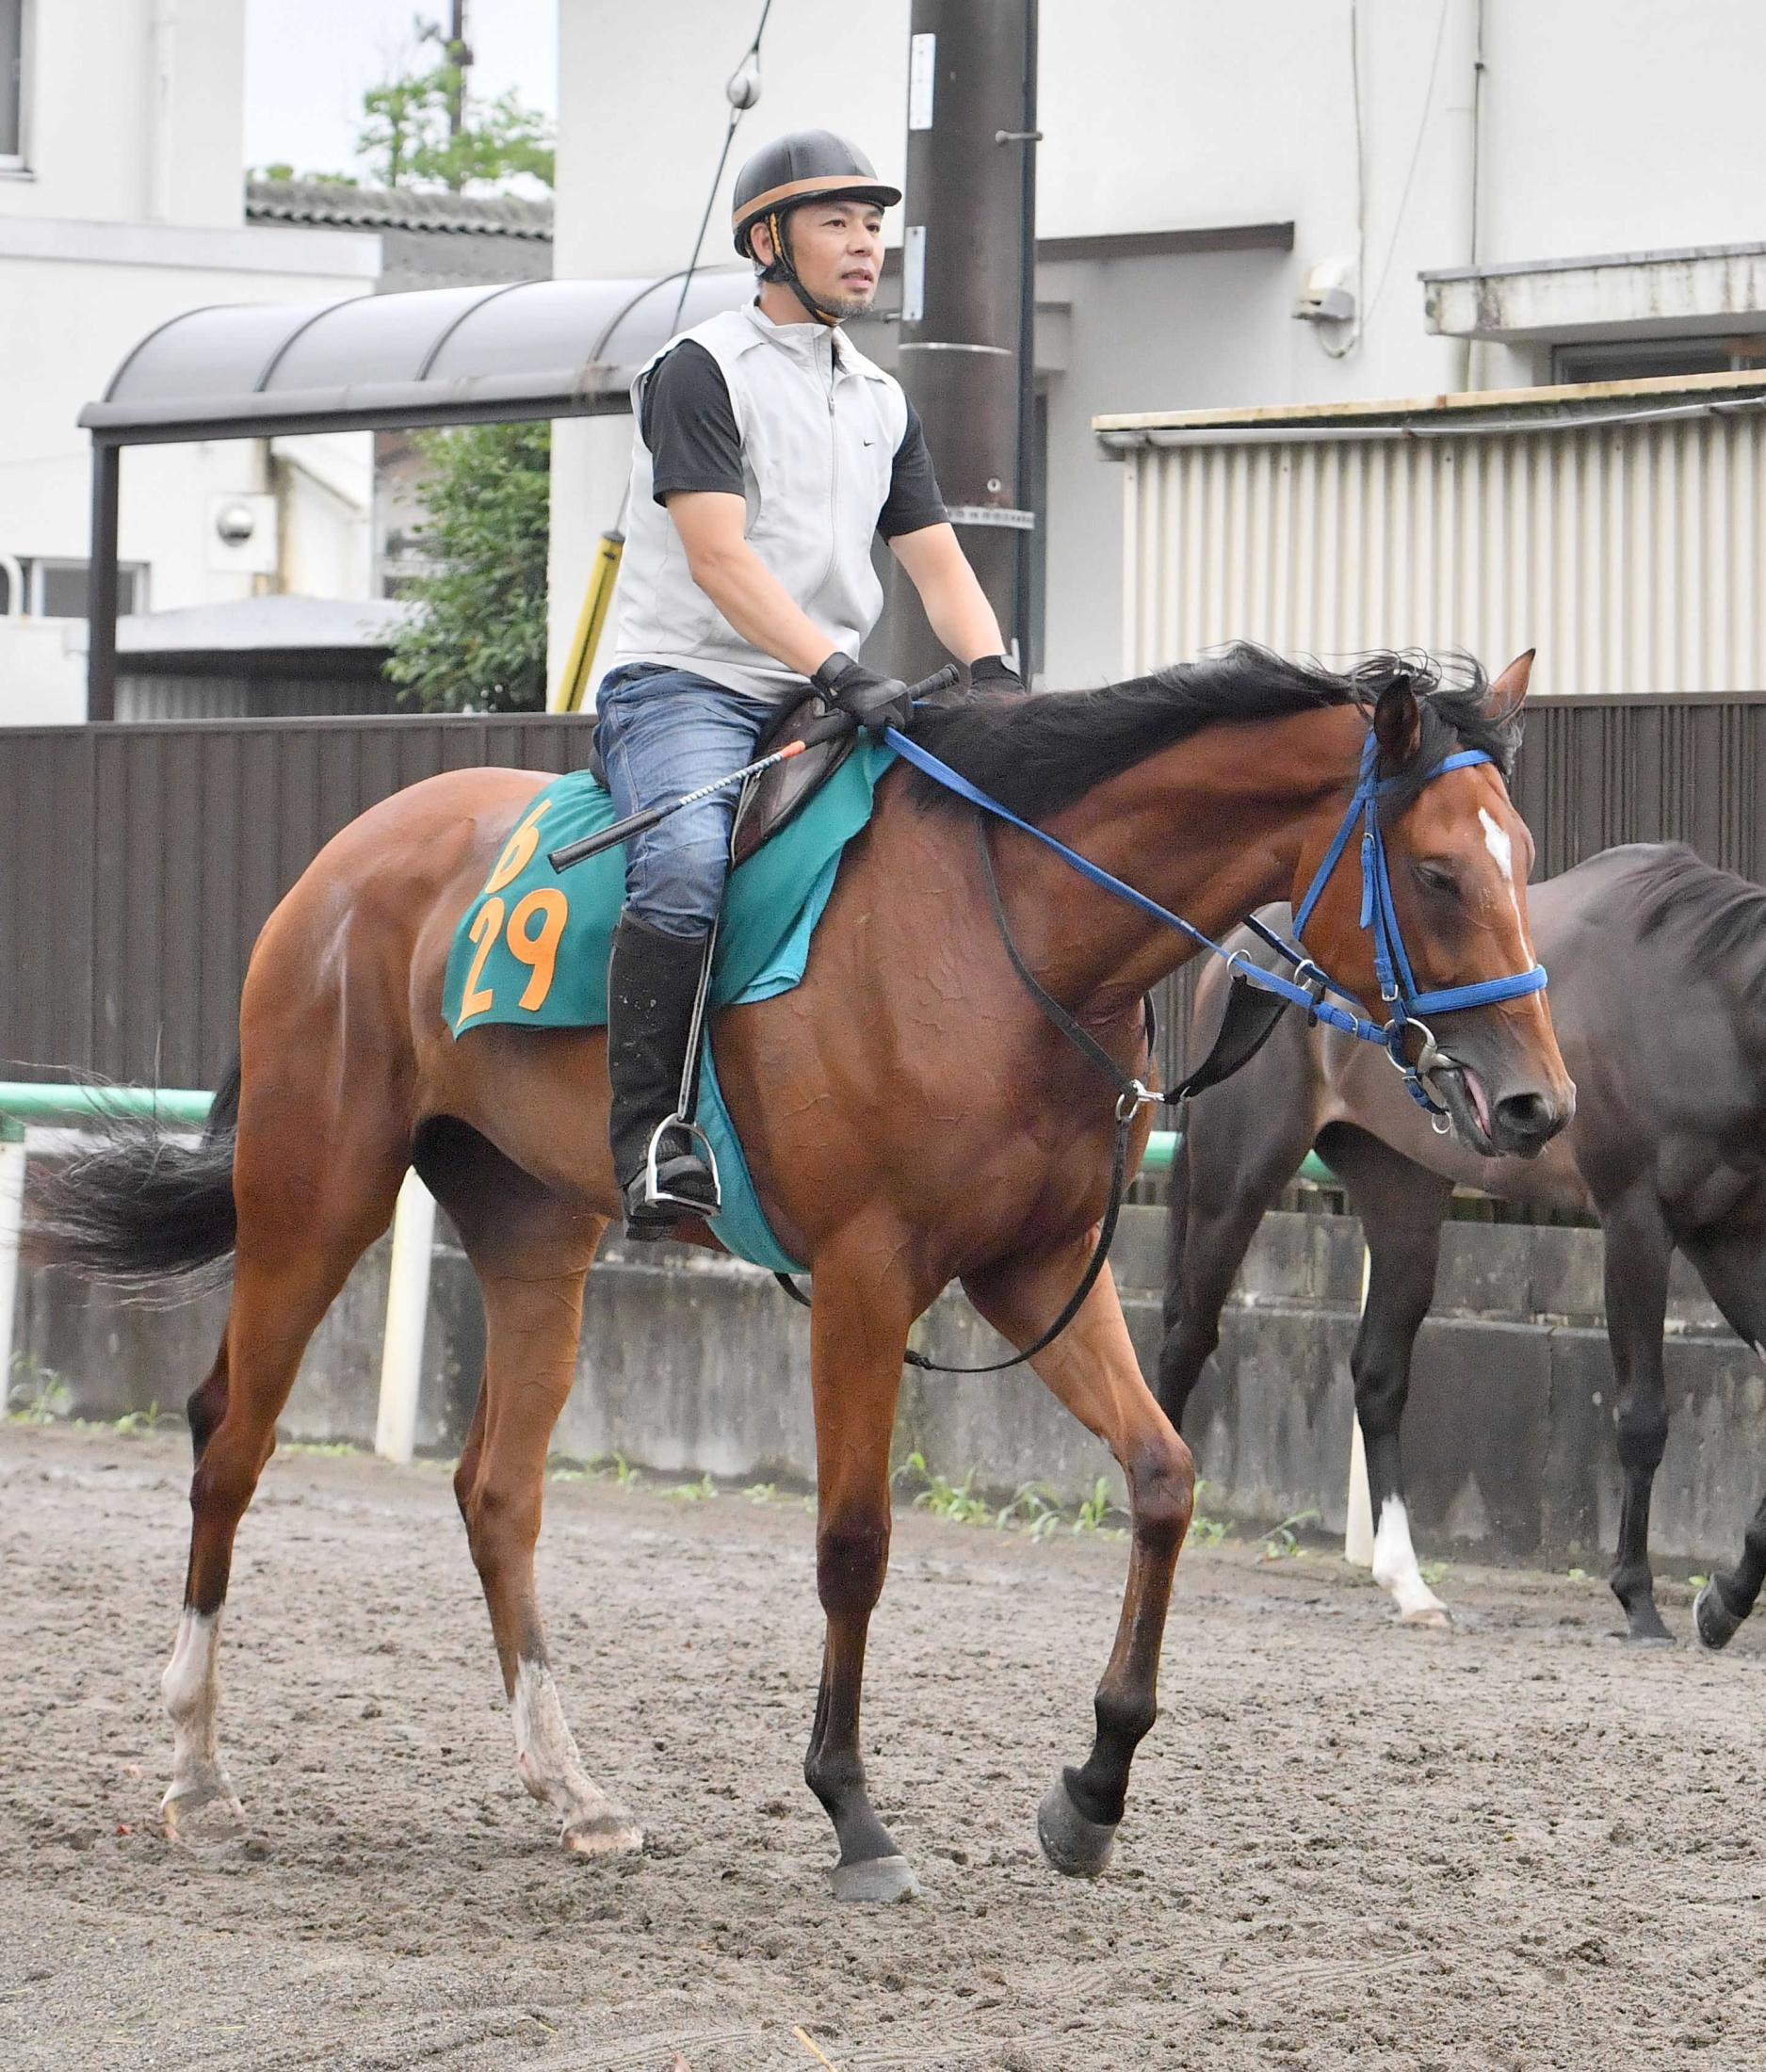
(1651, 359)
(57, 590)
(12, 29)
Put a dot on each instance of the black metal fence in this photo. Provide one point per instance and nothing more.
(141, 861)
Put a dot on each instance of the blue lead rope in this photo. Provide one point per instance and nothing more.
(1307, 988)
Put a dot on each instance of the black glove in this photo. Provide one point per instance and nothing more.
(994, 671)
(875, 702)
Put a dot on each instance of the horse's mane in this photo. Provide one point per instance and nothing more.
(1719, 919)
(1039, 754)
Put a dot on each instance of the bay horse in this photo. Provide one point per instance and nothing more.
(909, 1115)
(1658, 964)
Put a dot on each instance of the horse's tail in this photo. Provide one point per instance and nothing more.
(139, 1205)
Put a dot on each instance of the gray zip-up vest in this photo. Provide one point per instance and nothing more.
(819, 428)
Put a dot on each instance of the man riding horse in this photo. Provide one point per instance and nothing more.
(767, 453)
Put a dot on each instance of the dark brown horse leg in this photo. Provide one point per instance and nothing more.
(1402, 1206)
(1241, 1146)
(1638, 1250)
(858, 1332)
(1092, 1367)
(1732, 1264)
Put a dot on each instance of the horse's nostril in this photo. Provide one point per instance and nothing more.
(1526, 1116)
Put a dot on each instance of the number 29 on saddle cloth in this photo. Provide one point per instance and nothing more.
(532, 949)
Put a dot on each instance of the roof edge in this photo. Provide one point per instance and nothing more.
(1363, 410)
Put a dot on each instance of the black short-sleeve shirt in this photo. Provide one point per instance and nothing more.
(688, 423)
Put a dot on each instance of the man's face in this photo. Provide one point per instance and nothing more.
(837, 249)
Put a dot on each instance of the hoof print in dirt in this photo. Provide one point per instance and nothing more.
(1078, 1848)
(1435, 1618)
(603, 1836)
(204, 1821)
(877, 1882)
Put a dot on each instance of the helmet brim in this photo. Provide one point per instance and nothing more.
(793, 194)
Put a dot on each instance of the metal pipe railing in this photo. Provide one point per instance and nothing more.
(25, 1101)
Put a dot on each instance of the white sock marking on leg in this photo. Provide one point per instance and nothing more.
(191, 1689)
(549, 1764)
(1395, 1561)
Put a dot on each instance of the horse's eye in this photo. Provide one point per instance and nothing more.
(1437, 878)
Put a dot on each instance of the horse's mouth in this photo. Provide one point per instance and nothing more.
(1461, 1092)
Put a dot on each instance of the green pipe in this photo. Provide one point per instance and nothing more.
(26, 1101)
(1161, 1148)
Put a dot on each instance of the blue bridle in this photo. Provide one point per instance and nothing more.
(1309, 984)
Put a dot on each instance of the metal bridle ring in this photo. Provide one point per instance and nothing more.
(1132, 1100)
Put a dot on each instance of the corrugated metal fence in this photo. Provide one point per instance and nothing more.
(141, 861)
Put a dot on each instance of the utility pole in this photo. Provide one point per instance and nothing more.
(969, 291)
(460, 56)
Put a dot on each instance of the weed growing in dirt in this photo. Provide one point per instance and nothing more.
(1035, 1508)
(1099, 1508)
(1282, 1543)
(149, 1419)
(1434, 1572)
(323, 1449)
(37, 1394)
(702, 1491)
(955, 1502)
(1204, 1530)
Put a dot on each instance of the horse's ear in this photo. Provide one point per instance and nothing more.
(1397, 722)
(1503, 699)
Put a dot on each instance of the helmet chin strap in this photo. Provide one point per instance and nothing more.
(782, 270)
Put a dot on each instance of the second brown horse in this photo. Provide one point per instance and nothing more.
(910, 1116)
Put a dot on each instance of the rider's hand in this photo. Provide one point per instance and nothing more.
(875, 702)
(994, 672)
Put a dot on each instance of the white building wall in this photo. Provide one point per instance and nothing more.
(1605, 125)
(130, 214)
(135, 112)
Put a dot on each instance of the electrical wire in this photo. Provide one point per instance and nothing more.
(1349, 345)
(685, 274)
(737, 109)
(1415, 157)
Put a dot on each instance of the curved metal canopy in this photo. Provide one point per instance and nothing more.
(529, 348)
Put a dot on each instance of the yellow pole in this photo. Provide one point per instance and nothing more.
(578, 671)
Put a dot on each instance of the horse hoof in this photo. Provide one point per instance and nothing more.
(1431, 1618)
(602, 1835)
(1078, 1848)
(877, 1882)
(203, 1815)
(1713, 1624)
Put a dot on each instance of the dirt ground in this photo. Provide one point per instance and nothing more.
(1517, 1844)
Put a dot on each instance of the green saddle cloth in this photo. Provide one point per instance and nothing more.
(531, 950)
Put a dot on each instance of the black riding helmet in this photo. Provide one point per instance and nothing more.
(806, 166)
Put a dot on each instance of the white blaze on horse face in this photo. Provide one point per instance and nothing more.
(1395, 1564)
(1502, 855)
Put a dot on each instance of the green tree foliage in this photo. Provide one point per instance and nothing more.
(405, 138)
(478, 645)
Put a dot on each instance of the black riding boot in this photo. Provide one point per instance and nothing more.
(663, 1166)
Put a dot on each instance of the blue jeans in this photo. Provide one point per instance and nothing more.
(663, 732)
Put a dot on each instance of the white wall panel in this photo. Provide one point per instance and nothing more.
(1630, 555)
